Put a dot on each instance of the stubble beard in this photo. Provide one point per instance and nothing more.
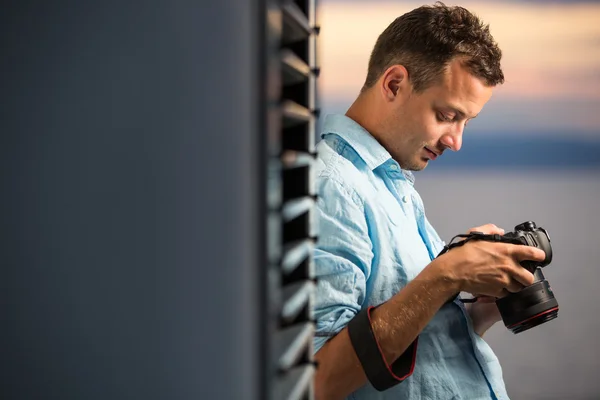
(415, 166)
(416, 161)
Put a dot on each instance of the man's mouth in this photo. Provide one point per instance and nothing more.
(432, 155)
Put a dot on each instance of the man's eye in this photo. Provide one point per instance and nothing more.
(444, 117)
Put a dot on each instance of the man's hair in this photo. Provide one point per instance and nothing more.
(426, 39)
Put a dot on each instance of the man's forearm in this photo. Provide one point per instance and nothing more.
(396, 324)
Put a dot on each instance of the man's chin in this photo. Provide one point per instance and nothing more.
(417, 166)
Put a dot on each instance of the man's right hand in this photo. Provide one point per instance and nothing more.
(491, 268)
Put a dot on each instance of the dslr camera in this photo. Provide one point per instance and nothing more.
(535, 304)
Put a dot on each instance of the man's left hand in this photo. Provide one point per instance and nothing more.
(484, 313)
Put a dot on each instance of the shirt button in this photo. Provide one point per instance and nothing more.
(404, 199)
(394, 167)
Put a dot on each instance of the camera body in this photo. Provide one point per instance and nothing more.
(534, 236)
(535, 304)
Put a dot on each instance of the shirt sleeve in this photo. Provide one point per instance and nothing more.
(343, 257)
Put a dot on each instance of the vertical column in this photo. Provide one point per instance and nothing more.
(291, 232)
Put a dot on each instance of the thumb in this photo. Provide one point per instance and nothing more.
(488, 229)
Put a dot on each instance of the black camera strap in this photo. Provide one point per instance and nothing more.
(479, 236)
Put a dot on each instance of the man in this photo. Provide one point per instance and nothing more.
(431, 71)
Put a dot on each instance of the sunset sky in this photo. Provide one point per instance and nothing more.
(551, 62)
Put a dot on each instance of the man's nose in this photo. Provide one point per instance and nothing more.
(453, 139)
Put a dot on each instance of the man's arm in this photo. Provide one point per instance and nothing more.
(395, 324)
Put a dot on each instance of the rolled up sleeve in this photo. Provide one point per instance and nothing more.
(343, 257)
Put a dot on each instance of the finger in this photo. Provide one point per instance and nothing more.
(515, 286)
(489, 229)
(521, 275)
(523, 252)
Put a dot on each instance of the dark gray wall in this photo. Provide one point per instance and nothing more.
(131, 190)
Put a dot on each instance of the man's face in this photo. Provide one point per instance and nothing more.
(423, 125)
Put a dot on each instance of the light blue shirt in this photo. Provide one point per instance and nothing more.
(373, 239)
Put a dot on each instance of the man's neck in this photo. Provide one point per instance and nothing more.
(363, 112)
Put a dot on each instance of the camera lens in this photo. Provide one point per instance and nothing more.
(530, 307)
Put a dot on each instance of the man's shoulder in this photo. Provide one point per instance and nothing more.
(336, 171)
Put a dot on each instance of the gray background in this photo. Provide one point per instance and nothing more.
(559, 359)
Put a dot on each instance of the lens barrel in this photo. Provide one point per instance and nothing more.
(530, 307)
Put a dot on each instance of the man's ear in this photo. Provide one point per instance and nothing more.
(394, 82)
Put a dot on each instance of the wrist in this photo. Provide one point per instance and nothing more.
(442, 270)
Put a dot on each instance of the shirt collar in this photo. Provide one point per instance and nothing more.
(367, 147)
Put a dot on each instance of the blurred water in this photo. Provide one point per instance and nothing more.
(560, 359)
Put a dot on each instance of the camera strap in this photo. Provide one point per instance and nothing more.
(479, 236)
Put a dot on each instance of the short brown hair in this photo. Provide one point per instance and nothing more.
(427, 38)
